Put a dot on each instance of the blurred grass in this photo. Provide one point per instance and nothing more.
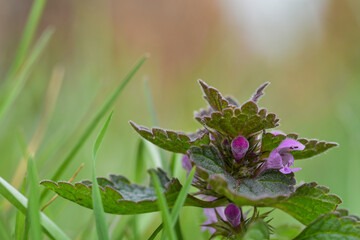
(314, 91)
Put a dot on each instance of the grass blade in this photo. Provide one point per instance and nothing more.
(100, 218)
(140, 161)
(20, 219)
(23, 73)
(90, 128)
(182, 197)
(154, 121)
(21, 203)
(34, 202)
(163, 207)
(156, 232)
(27, 37)
(4, 230)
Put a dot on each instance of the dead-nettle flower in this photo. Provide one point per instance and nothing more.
(233, 214)
(281, 159)
(239, 147)
(210, 213)
(186, 164)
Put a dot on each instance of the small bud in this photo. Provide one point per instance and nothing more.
(233, 214)
(212, 138)
(239, 147)
(186, 164)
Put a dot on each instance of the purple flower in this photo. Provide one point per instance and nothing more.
(239, 147)
(211, 215)
(281, 159)
(233, 214)
(186, 164)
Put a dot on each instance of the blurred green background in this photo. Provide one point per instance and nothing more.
(308, 50)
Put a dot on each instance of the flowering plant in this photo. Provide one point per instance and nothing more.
(238, 163)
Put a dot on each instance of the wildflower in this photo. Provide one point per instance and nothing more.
(233, 214)
(239, 147)
(186, 164)
(212, 218)
(281, 159)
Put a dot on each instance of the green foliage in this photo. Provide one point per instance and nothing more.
(100, 218)
(119, 196)
(312, 147)
(214, 97)
(163, 206)
(257, 230)
(332, 226)
(269, 187)
(286, 232)
(170, 140)
(33, 214)
(308, 202)
(20, 202)
(245, 120)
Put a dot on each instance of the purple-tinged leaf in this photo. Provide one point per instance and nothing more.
(214, 97)
(119, 196)
(245, 120)
(259, 92)
(170, 140)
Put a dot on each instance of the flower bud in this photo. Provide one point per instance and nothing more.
(233, 214)
(239, 147)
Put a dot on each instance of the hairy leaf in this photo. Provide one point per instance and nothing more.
(268, 188)
(312, 147)
(170, 140)
(214, 97)
(308, 202)
(331, 226)
(245, 120)
(119, 196)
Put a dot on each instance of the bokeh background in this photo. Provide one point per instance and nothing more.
(308, 50)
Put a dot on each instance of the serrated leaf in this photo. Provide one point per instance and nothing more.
(312, 147)
(245, 120)
(257, 230)
(268, 188)
(170, 140)
(308, 202)
(214, 97)
(331, 226)
(119, 196)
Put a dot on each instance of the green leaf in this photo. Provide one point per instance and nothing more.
(20, 202)
(214, 97)
(100, 218)
(286, 232)
(257, 230)
(119, 196)
(312, 147)
(156, 232)
(94, 122)
(170, 140)
(331, 226)
(245, 120)
(308, 202)
(162, 203)
(33, 214)
(267, 188)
